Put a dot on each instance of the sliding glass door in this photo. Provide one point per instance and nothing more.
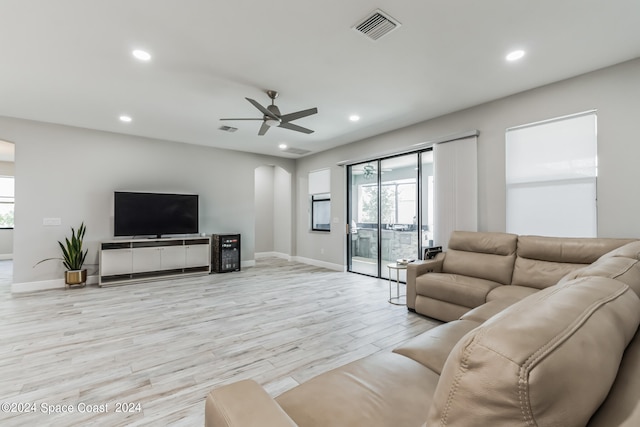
(364, 227)
(398, 211)
(389, 218)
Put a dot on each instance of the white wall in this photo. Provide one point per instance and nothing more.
(614, 92)
(71, 173)
(283, 214)
(274, 211)
(264, 208)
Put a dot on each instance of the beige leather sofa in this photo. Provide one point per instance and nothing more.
(481, 267)
(567, 355)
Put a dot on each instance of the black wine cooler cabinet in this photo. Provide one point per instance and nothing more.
(225, 253)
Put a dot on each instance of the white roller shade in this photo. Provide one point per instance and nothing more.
(455, 188)
(551, 170)
(320, 181)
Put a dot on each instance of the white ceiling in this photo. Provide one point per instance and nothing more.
(69, 62)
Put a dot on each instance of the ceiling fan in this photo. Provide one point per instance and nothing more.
(272, 116)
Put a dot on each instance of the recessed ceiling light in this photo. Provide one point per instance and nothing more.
(125, 119)
(354, 118)
(515, 55)
(282, 146)
(141, 55)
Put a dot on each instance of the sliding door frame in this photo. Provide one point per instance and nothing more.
(350, 208)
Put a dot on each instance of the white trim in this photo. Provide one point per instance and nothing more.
(249, 263)
(6, 256)
(317, 263)
(17, 288)
(259, 255)
(412, 149)
(555, 119)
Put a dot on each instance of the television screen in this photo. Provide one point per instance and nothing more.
(142, 214)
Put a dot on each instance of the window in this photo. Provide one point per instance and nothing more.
(321, 212)
(319, 190)
(398, 200)
(551, 172)
(6, 201)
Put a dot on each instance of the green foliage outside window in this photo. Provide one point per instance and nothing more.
(6, 219)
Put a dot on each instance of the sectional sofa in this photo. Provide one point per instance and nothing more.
(482, 267)
(566, 354)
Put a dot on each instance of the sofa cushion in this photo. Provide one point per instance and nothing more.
(437, 309)
(549, 359)
(576, 250)
(455, 288)
(385, 389)
(626, 270)
(488, 256)
(226, 406)
(543, 261)
(540, 274)
(487, 310)
(622, 407)
(432, 348)
(510, 292)
(630, 250)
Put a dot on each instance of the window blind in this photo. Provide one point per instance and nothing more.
(551, 171)
(455, 179)
(320, 181)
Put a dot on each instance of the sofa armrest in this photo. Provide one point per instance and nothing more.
(245, 404)
(419, 268)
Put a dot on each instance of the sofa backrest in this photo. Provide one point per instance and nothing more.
(542, 261)
(483, 255)
(622, 264)
(549, 359)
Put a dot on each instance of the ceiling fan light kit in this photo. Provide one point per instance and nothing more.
(273, 118)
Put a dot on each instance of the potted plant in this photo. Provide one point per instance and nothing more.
(73, 258)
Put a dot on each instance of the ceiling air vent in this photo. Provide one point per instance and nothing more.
(298, 151)
(376, 25)
(228, 128)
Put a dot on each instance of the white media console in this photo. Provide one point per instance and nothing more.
(128, 261)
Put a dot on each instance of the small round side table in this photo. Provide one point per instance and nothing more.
(398, 299)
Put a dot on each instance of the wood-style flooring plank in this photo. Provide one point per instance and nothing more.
(165, 344)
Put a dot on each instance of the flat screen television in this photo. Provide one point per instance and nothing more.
(143, 214)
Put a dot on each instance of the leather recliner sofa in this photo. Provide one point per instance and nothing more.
(480, 267)
(567, 355)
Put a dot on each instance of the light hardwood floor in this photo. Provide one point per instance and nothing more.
(164, 345)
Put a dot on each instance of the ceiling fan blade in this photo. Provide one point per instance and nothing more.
(298, 114)
(297, 128)
(263, 129)
(241, 119)
(262, 109)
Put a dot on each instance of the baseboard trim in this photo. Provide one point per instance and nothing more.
(248, 263)
(259, 255)
(44, 285)
(317, 263)
(310, 261)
